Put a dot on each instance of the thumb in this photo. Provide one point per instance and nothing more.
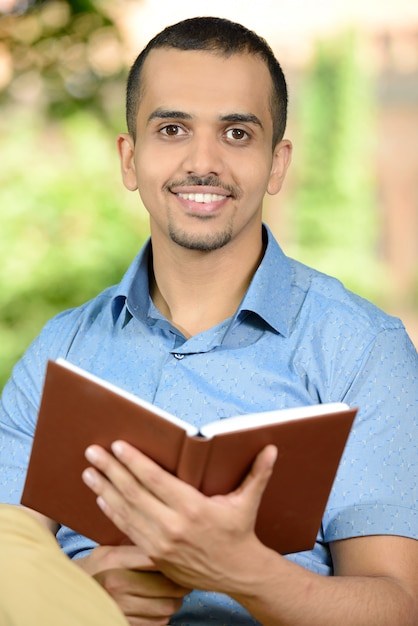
(254, 484)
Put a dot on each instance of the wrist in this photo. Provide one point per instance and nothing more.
(252, 573)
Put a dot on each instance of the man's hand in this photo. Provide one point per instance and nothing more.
(199, 542)
(145, 596)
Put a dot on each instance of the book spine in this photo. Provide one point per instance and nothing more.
(193, 458)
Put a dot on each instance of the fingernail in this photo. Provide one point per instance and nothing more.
(274, 458)
(101, 504)
(91, 454)
(117, 448)
(88, 477)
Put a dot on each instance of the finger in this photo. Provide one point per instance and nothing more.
(134, 520)
(163, 485)
(128, 503)
(114, 479)
(140, 595)
(130, 507)
(145, 584)
(110, 467)
(115, 557)
(254, 484)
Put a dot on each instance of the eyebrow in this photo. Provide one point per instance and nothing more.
(166, 114)
(243, 118)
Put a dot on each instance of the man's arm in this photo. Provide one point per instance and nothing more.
(209, 543)
(375, 584)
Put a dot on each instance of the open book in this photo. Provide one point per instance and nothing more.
(78, 409)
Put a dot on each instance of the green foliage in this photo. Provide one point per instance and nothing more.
(336, 220)
(69, 227)
(64, 54)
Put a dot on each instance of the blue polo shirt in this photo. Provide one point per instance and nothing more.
(298, 337)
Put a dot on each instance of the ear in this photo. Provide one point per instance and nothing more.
(126, 149)
(281, 160)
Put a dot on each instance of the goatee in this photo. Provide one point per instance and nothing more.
(202, 243)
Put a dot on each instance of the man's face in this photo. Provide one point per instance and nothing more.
(203, 157)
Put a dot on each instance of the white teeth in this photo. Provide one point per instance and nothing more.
(204, 198)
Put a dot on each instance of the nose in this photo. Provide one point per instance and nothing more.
(203, 155)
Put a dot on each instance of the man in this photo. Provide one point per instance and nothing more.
(211, 320)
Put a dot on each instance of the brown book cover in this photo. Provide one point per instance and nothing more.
(78, 409)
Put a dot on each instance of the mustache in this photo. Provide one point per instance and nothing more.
(207, 181)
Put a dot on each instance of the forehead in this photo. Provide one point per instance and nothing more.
(203, 82)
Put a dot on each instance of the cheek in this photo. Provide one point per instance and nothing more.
(146, 172)
(151, 181)
(154, 168)
(255, 179)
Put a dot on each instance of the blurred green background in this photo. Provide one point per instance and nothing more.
(68, 226)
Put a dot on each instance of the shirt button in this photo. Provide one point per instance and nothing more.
(179, 357)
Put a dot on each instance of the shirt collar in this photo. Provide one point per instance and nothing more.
(270, 295)
(133, 290)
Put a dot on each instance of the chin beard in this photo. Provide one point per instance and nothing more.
(202, 243)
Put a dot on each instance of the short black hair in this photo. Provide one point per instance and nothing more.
(216, 35)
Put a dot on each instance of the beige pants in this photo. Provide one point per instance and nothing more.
(39, 585)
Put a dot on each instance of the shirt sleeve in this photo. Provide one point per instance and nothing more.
(20, 403)
(375, 491)
(18, 412)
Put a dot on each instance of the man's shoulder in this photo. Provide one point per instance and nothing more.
(106, 306)
(59, 333)
(89, 310)
(326, 297)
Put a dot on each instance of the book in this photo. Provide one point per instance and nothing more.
(79, 409)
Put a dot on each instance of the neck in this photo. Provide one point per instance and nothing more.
(198, 290)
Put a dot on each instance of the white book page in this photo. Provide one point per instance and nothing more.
(189, 428)
(251, 420)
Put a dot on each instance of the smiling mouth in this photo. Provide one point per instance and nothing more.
(202, 198)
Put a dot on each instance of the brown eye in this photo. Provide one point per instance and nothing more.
(237, 134)
(172, 130)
